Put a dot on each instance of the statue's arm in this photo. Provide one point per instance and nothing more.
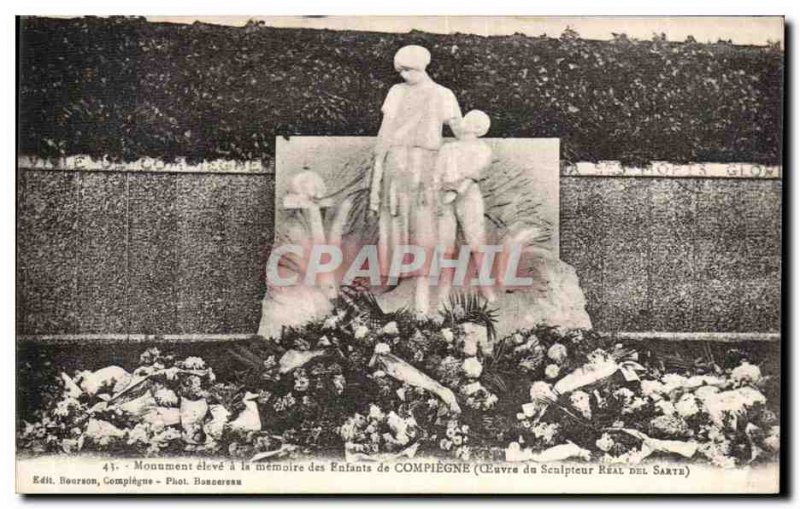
(377, 177)
(381, 149)
(451, 111)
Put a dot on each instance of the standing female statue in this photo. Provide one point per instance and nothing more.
(402, 191)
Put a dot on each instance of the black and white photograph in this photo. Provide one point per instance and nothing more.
(399, 255)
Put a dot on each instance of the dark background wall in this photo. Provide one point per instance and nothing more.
(141, 253)
(675, 254)
(174, 253)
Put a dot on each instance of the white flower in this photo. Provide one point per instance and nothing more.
(672, 425)
(63, 407)
(166, 397)
(399, 427)
(339, 383)
(705, 392)
(552, 371)
(270, 362)
(731, 402)
(625, 394)
(666, 407)
(687, 406)
(470, 389)
(139, 434)
(391, 328)
(447, 334)
(746, 373)
(673, 381)
(382, 348)
(541, 390)
(633, 405)
(560, 331)
(631, 457)
(717, 453)
(557, 353)
(361, 332)
(348, 431)
(194, 363)
(773, 440)
(602, 401)
(582, 403)
(517, 338)
(330, 322)
(376, 413)
(491, 400)
(171, 373)
(605, 443)
(651, 388)
(600, 357)
(528, 410)
(472, 367)
(113, 377)
(102, 432)
(457, 311)
(301, 383)
(323, 342)
(545, 432)
(700, 380)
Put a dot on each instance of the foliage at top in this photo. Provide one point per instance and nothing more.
(125, 88)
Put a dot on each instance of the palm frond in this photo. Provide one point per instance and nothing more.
(361, 302)
(473, 308)
(580, 419)
(495, 383)
(245, 356)
(500, 350)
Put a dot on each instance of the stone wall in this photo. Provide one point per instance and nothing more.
(148, 252)
(118, 252)
(669, 254)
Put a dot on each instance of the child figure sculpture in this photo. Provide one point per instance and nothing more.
(457, 175)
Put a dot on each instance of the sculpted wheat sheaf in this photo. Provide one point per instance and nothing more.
(543, 257)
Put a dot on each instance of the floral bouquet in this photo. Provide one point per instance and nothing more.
(162, 405)
(379, 436)
(374, 385)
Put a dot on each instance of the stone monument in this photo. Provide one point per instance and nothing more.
(418, 217)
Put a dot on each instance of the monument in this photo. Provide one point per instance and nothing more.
(424, 217)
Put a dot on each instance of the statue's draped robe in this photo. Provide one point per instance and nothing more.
(410, 136)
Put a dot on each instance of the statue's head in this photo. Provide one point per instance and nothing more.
(308, 183)
(411, 61)
(475, 122)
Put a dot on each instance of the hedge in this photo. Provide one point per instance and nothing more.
(125, 88)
